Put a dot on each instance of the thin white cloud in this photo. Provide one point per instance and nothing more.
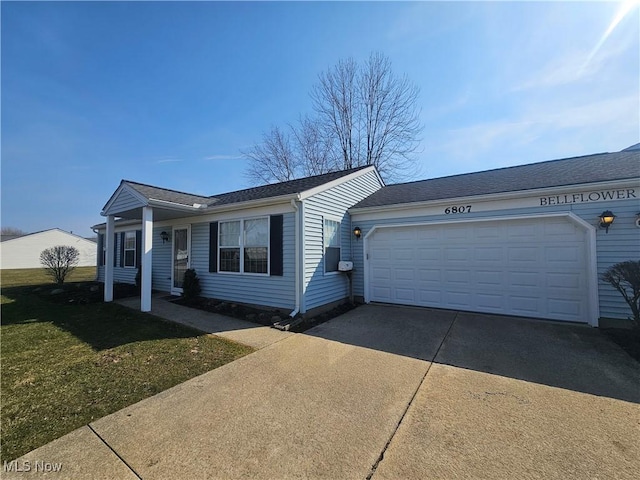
(222, 157)
(169, 160)
(539, 124)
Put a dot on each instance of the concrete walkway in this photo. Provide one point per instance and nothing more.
(359, 397)
(242, 331)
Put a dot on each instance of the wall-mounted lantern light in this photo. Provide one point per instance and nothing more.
(638, 219)
(606, 219)
(357, 232)
(164, 236)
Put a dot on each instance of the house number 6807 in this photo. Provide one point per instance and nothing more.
(459, 209)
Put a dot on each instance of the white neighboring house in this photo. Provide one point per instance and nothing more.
(24, 252)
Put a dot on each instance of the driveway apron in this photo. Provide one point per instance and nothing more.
(318, 405)
(510, 398)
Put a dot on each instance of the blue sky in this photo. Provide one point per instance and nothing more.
(170, 93)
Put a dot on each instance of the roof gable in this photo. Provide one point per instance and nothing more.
(555, 173)
(131, 195)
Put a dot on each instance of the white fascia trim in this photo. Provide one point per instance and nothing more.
(252, 203)
(338, 181)
(173, 206)
(634, 182)
(123, 187)
(592, 282)
(119, 224)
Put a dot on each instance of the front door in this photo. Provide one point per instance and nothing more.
(180, 256)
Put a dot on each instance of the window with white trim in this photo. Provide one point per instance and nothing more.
(229, 246)
(243, 246)
(331, 245)
(130, 249)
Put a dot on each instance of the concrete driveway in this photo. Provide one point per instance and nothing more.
(384, 392)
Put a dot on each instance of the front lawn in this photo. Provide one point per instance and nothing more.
(36, 276)
(65, 365)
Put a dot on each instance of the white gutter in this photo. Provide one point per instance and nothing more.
(297, 260)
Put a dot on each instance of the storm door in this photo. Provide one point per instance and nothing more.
(180, 255)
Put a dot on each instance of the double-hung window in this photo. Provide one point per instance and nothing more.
(230, 246)
(331, 245)
(244, 246)
(130, 249)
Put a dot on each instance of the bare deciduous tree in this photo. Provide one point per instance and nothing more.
(59, 261)
(313, 148)
(12, 231)
(364, 115)
(336, 102)
(272, 160)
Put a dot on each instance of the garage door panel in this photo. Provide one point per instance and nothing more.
(564, 280)
(523, 255)
(404, 274)
(534, 267)
(429, 254)
(524, 279)
(488, 254)
(486, 278)
(486, 232)
(457, 277)
(564, 254)
(457, 254)
(525, 306)
(456, 233)
(490, 301)
(518, 232)
(400, 254)
(430, 297)
(564, 308)
(430, 275)
(381, 253)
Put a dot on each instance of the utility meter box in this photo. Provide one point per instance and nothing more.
(345, 266)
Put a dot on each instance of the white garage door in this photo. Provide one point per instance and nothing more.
(535, 267)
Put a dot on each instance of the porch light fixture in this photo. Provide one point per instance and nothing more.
(164, 236)
(606, 219)
(357, 232)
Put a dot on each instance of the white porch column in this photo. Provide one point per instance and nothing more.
(108, 261)
(147, 244)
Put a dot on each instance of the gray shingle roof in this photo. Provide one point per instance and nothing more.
(570, 171)
(256, 193)
(165, 194)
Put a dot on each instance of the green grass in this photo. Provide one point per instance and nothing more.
(63, 366)
(38, 276)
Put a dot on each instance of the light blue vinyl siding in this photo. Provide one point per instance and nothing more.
(161, 260)
(124, 202)
(620, 244)
(120, 274)
(272, 291)
(321, 288)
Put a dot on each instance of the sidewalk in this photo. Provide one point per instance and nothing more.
(241, 331)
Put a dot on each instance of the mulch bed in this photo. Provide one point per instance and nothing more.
(628, 340)
(260, 316)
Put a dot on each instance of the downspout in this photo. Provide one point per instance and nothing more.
(297, 237)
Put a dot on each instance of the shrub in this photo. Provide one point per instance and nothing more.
(191, 285)
(625, 277)
(59, 261)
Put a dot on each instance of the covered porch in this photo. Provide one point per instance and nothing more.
(132, 201)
